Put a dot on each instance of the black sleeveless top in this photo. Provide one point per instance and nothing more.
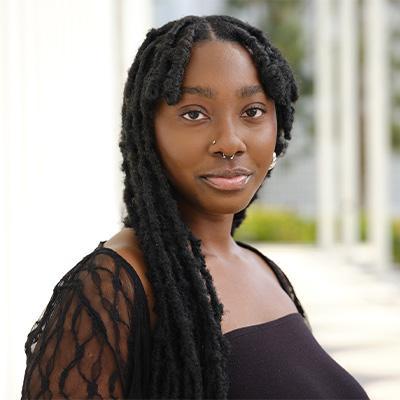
(281, 359)
(93, 340)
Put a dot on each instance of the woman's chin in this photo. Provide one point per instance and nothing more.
(227, 206)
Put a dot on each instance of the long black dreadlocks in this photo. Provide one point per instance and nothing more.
(189, 352)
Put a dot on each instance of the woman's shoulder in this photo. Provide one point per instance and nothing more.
(277, 271)
(283, 279)
(105, 264)
(108, 275)
(96, 320)
(124, 248)
(104, 273)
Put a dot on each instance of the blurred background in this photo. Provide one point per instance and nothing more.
(329, 215)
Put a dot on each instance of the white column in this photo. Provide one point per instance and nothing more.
(349, 127)
(131, 20)
(135, 19)
(13, 163)
(377, 131)
(324, 124)
(60, 117)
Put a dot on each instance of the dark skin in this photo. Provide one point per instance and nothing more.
(234, 111)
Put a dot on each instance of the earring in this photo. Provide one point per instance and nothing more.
(273, 162)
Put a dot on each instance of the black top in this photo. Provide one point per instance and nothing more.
(93, 340)
(281, 359)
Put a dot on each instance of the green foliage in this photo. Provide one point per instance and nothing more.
(396, 137)
(396, 240)
(395, 96)
(363, 227)
(264, 224)
(271, 225)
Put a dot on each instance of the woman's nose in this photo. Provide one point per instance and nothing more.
(227, 139)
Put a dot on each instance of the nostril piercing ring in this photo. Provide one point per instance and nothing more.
(223, 154)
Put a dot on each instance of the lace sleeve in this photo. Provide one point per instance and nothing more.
(80, 346)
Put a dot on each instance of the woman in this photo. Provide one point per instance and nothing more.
(172, 306)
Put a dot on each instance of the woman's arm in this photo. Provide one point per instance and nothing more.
(79, 348)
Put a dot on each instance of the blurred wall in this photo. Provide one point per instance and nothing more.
(166, 10)
(62, 67)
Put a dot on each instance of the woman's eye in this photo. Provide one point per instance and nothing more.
(254, 112)
(193, 115)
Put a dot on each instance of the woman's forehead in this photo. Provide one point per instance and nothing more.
(218, 50)
(214, 64)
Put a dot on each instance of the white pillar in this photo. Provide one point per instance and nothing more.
(13, 163)
(349, 127)
(59, 119)
(324, 124)
(377, 131)
(132, 20)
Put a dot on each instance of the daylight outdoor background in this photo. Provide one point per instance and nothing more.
(329, 216)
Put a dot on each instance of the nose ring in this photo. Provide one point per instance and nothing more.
(223, 154)
(230, 157)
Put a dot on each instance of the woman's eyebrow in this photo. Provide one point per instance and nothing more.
(248, 91)
(245, 91)
(201, 91)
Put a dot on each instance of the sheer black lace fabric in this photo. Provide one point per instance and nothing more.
(93, 340)
(86, 343)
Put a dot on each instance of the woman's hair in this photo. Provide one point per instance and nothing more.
(189, 352)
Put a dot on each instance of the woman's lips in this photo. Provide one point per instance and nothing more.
(233, 183)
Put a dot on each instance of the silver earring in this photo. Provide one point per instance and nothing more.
(273, 162)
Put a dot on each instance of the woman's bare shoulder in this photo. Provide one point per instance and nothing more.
(126, 244)
(125, 238)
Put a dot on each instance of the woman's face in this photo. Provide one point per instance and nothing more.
(222, 100)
